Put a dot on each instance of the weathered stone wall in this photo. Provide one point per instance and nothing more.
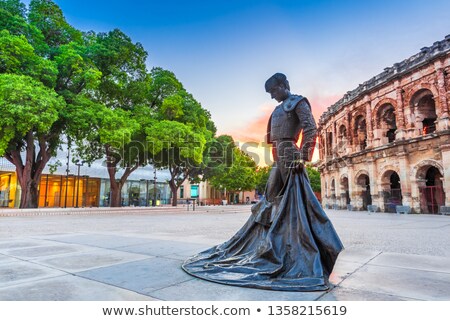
(397, 122)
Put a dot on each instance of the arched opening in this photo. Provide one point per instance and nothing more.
(424, 111)
(432, 194)
(364, 186)
(391, 191)
(345, 194)
(360, 132)
(386, 122)
(321, 147)
(333, 192)
(342, 139)
(329, 143)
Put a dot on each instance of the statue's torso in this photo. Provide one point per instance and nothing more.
(284, 124)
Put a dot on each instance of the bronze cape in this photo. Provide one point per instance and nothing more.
(287, 245)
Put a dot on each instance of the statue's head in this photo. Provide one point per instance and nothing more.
(278, 87)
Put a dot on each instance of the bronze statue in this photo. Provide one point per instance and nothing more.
(288, 243)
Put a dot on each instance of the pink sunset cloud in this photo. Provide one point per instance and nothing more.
(255, 131)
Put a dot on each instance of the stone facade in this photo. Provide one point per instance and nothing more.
(387, 142)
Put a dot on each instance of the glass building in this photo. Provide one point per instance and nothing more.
(75, 184)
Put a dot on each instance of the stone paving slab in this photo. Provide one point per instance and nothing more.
(344, 294)
(99, 240)
(165, 248)
(201, 290)
(68, 288)
(16, 272)
(420, 262)
(6, 259)
(6, 246)
(139, 257)
(44, 251)
(90, 260)
(343, 269)
(408, 283)
(143, 276)
(358, 255)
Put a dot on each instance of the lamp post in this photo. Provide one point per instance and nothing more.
(86, 185)
(154, 188)
(78, 164)
(67, 175)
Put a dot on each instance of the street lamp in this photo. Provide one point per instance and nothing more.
(146, 190)
(67, 175)
(78, 164)
(86, 185)
(154, 187)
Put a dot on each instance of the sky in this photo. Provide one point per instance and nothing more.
(224, 51)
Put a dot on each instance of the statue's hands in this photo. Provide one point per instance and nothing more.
(299, 166)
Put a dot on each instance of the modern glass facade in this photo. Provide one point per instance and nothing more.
(68, 191)
(83, 191)
(8, 190)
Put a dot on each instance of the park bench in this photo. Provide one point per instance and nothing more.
(402, 209)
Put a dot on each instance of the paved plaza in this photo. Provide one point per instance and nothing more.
(136, 254)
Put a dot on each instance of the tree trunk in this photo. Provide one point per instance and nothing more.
(174, 190)
(29, 197)
(116, 186)
(116, 194)
(29, 173)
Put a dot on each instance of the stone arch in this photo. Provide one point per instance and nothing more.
(359, 173)
(383, 102)
(385, 122)
(342, 130)
(360, 130)
(386, 169)
(345, 175)
(390, 188)
(322, 146)
(419, 170)
(345, 190)
(333, 190)
(362, 189)
(413, 90)
(430, 187)
(342, 139)
(416, 93)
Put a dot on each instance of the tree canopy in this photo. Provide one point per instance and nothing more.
(60, 85)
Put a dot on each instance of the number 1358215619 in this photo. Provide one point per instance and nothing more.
(307, 310)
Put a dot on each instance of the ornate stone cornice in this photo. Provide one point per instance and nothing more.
(426, 55)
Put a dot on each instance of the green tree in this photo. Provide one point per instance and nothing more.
(239, 176)
(180, 130)
(14, 7)
(13, 18)
(262, 176)
(177, 147)
(64, 69)
(46, 16)
(314, 178)
(29, 110)
(123, 88)
(19, 57)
